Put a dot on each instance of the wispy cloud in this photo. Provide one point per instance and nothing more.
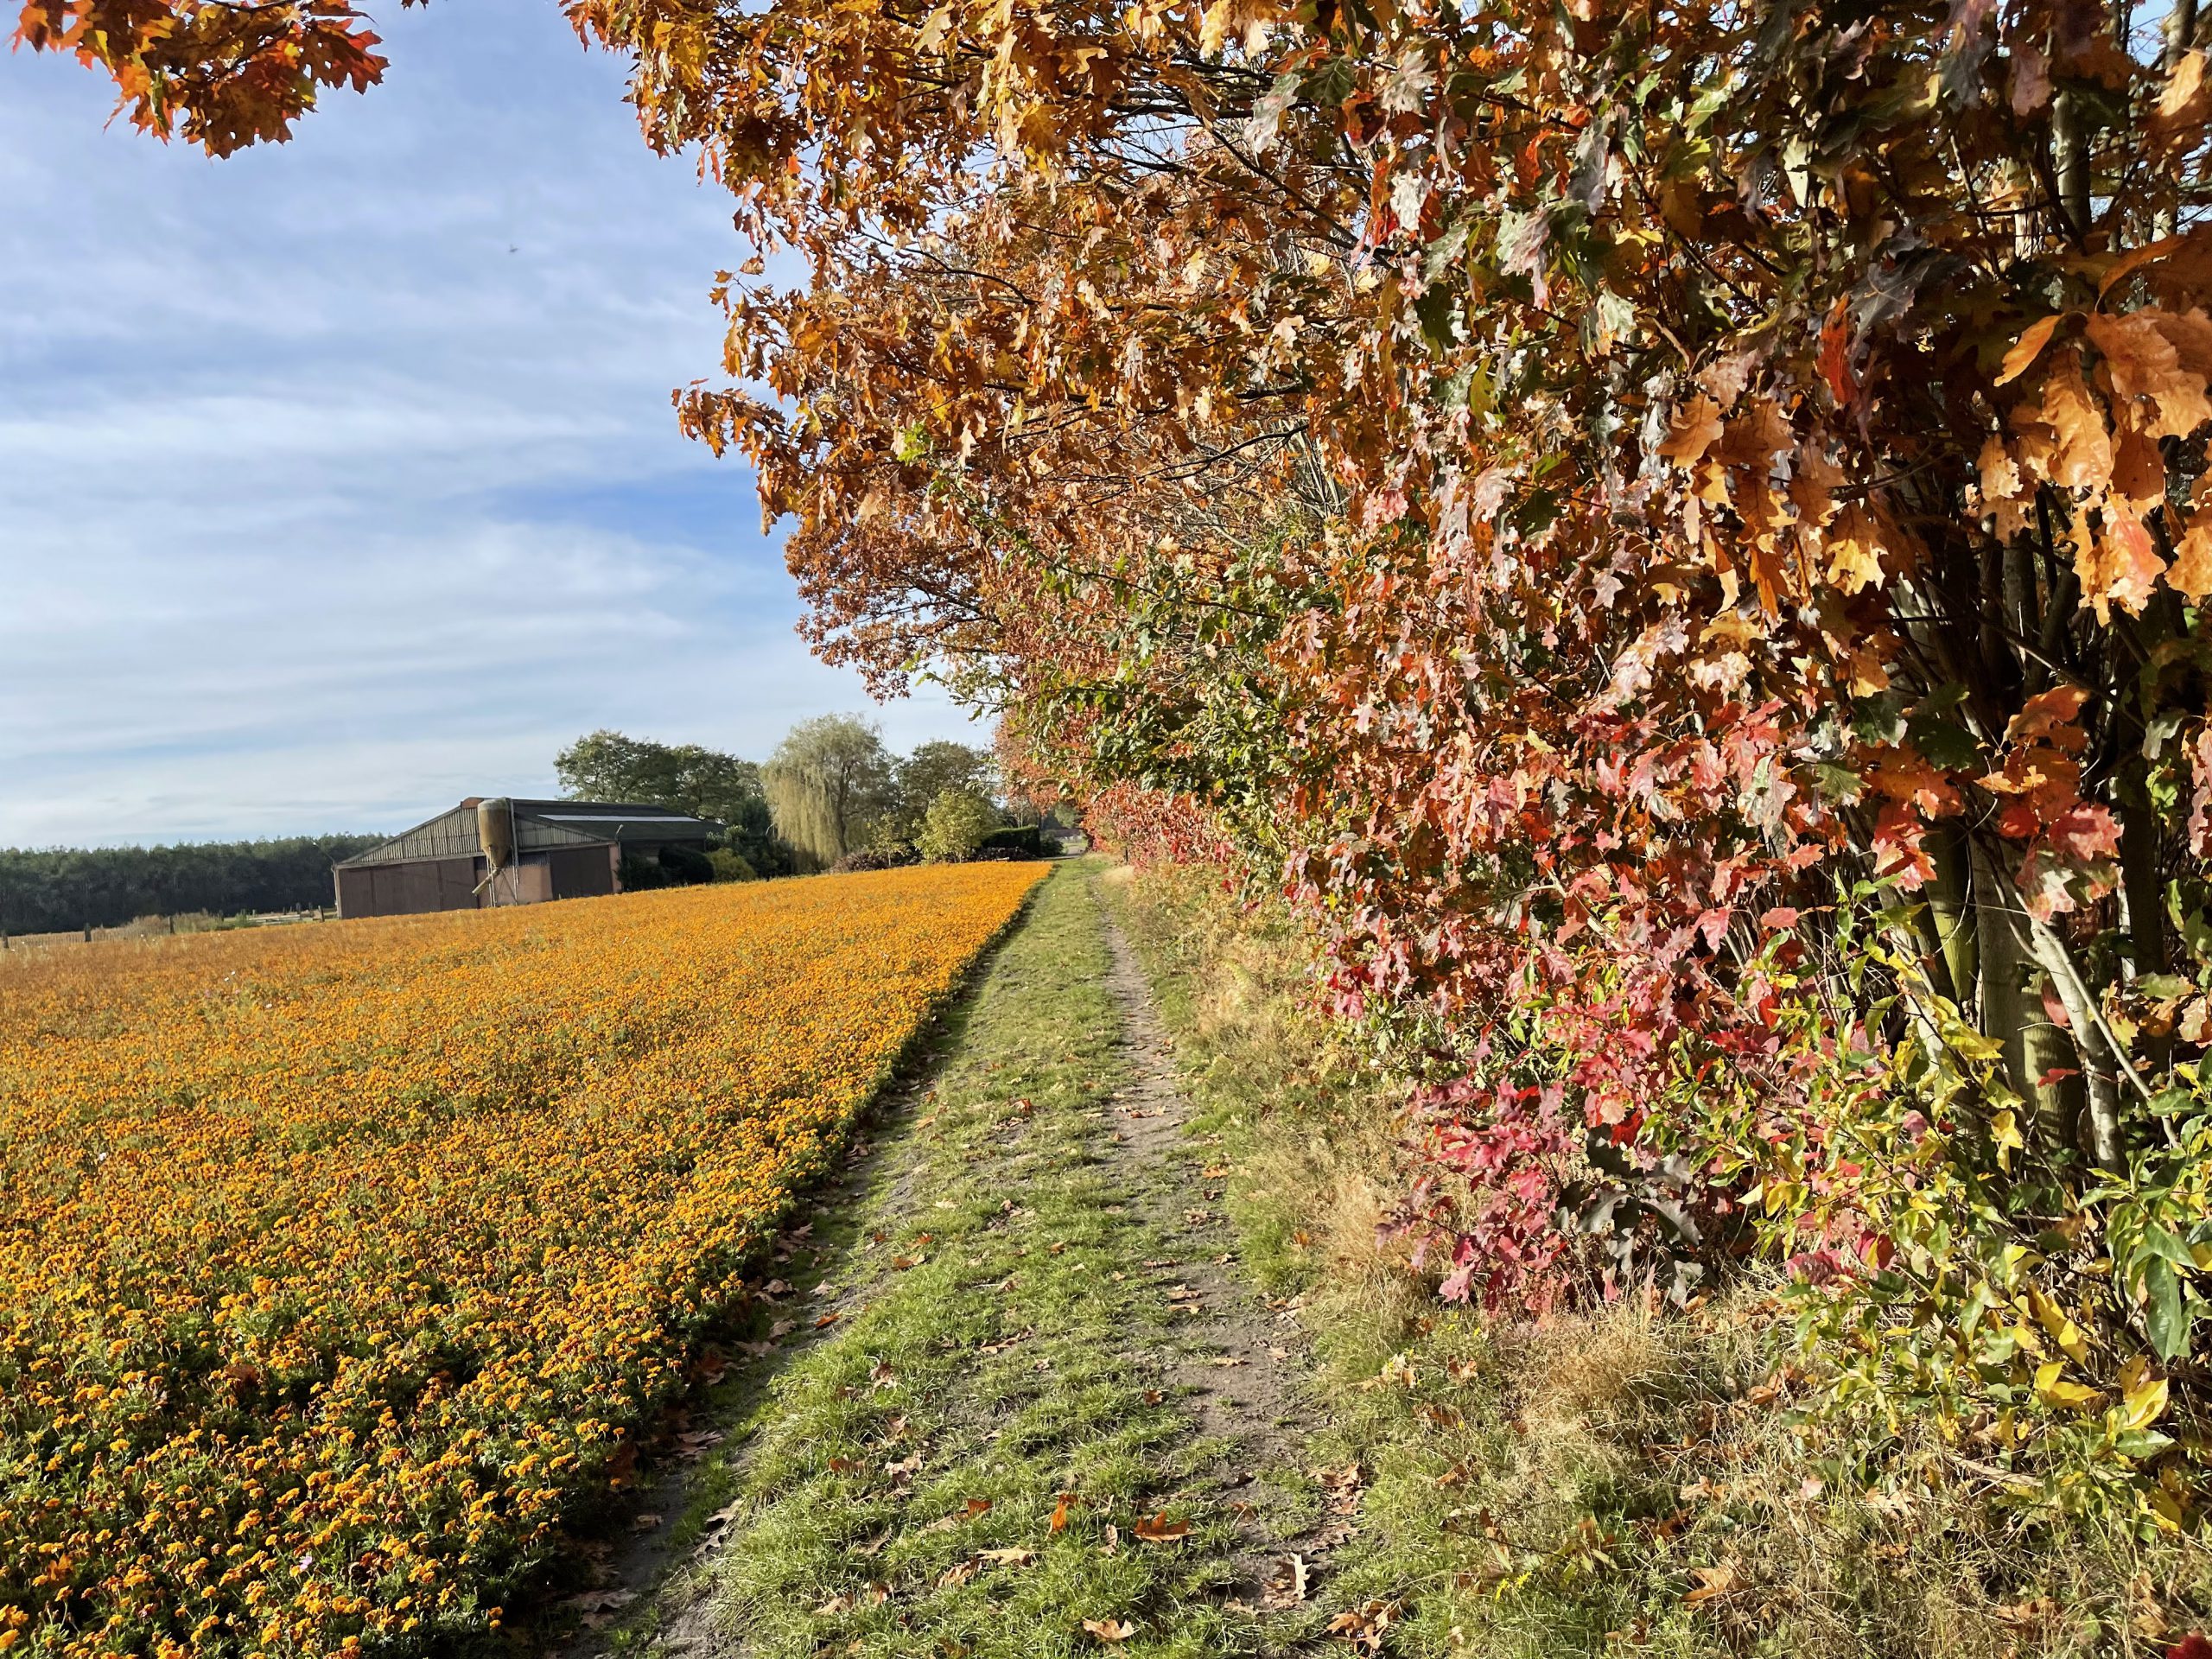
(338, 479)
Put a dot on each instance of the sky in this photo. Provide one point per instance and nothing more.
(339, 479)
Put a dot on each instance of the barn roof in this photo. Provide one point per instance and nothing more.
(540, 825)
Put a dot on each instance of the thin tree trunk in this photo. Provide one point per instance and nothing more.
(2035, 1049)
(2070, 147)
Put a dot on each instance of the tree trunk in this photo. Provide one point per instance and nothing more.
(2034, 1047)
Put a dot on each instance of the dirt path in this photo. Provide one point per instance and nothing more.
(1021, 1403)
(1245, 1378)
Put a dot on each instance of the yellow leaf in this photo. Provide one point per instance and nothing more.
(2028, 347)
(2143, 1395)
(2053, 1390)
(2004, 1130)
(2072, 1341)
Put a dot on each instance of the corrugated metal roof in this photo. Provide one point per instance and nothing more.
(540, 825)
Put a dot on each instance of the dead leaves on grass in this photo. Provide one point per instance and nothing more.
(1709, 1583)
(1364, 1627)
(1291, 1583)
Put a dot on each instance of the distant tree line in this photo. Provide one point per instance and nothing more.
(59, 888)
(831, 794)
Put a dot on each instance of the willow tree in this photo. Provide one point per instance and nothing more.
(827, 784)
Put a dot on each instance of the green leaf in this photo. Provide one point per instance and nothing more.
(2164, 1243)
(2166, 1319)
(1944, 743)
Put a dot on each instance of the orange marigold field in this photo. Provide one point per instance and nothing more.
(338, 1263)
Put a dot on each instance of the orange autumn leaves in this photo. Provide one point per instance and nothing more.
(338, 1261)
(2104, 393)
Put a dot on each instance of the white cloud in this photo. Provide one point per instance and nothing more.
(338, 479)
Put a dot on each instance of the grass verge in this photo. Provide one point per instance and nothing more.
(1610, 1483)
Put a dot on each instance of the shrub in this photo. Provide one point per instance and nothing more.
(638, 874)
(730, 865)
(1014, 841)
(958, 825)
(686, 865)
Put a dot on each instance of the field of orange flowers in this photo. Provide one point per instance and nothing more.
(338, 1263)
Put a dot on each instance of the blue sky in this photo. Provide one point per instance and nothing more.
(339, 479)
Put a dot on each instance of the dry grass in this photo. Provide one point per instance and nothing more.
(1622, 1481)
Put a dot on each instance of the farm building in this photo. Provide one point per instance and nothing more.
(541, 849)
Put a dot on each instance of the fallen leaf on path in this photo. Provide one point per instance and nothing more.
(835, 1605)
(843, 1465)
(1160, 1530)
(1228, 1360)
(1110, 1630)
(826, 1321)
(1007, 1557)
(781, 1329)
(644, 1522)
(955, 1575)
